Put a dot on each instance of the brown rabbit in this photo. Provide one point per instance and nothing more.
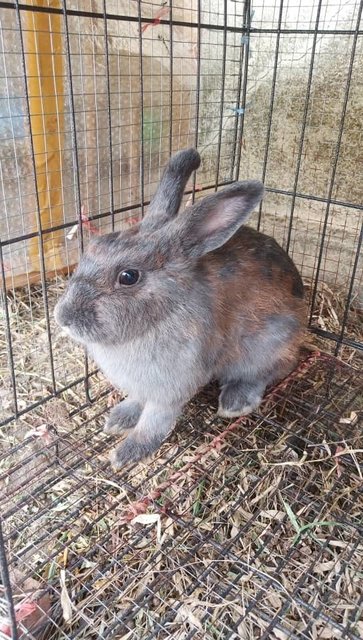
(179, 300)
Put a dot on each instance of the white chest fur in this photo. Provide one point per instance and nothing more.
(161, 371)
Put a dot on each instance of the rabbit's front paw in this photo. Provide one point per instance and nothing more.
(131, 450)
(152, 428)
(122, 417)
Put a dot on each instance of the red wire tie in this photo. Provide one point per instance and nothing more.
(160, 14)
(87, 223)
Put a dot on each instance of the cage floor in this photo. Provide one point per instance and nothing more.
(250, 529)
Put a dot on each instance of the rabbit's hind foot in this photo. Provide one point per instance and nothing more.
(239, 398)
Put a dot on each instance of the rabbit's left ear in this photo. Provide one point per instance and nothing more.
(165, 203)
(210, 222)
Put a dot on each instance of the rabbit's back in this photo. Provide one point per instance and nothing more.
(259, 306)
(253, 273)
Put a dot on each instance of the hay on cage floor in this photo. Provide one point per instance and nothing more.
(262, 526)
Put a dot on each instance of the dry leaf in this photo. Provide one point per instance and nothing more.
(242, 630)
(185, 614)
(351, 420)
(327, 632)
(32, 610)
(30, 613)
(149, 518)
(275, 514)
(66, 603)
(322, 567)
(275, 600)
(281, 635)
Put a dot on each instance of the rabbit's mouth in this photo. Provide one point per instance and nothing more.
(80, 324)
(71, 333)
(64, 321)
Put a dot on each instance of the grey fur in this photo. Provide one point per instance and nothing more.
(123, 416)
(206, 230)
(166, 202)
(164, 338)
(244, 383)
(240, 397)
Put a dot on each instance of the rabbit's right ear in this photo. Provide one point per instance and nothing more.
(212, 221)
(166, 201)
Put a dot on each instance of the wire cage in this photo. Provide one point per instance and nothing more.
(235, 529)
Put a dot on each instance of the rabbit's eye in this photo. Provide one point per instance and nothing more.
(129, 276)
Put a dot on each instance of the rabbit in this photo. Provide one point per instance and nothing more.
(180, 299)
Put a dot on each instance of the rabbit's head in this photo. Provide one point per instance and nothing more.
(127, 283)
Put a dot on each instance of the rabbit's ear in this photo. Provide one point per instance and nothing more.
(165, 203)
(209, 223)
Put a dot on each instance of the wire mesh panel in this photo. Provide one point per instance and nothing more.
(249, 529)
(234, 530)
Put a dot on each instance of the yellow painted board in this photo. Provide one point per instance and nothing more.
(43, 44)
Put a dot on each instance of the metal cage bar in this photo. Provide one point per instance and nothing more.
(62, 482)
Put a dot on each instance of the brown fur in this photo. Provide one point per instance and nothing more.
(252, 294)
